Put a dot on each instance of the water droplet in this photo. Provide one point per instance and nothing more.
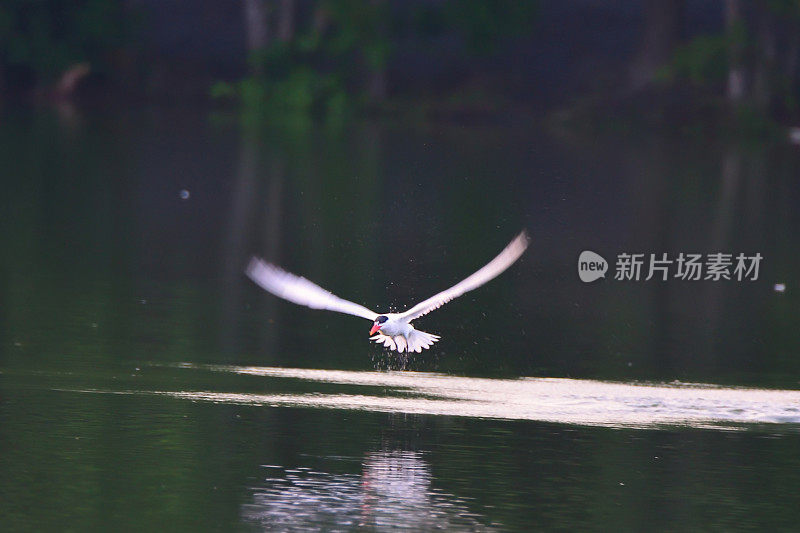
(184, 194)
(780, 287)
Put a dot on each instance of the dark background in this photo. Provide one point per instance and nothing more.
(710, 62)
(386, 150)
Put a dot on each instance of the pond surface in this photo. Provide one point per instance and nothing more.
(145, 381)
(214, 447)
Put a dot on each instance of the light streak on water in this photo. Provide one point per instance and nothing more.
(566, 401)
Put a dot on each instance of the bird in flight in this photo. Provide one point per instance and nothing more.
(393, 330)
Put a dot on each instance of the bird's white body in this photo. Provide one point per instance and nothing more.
(393, 330)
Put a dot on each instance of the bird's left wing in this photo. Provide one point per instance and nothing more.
(301, 291)
(493, 269)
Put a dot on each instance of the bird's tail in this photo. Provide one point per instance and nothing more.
(419, 340)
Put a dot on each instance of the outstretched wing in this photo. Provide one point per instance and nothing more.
(495, 267)
(301, 291)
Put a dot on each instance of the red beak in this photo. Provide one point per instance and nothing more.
(375, 327)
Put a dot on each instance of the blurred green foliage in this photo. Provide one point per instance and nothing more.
(701, 61)
(761, 44)
(47, 36)
(297, 88)
(331, 63)
(321, 69)
(484, 25)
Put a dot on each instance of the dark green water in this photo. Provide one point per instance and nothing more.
(111, 279)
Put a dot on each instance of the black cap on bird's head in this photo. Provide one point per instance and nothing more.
(378, 323)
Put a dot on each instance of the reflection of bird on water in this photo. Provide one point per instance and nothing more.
(395, 478)
(393, 330)
(394, 491)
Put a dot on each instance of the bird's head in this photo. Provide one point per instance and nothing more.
(378, 324)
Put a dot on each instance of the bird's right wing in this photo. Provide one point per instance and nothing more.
(301, 291)
(494, 268)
